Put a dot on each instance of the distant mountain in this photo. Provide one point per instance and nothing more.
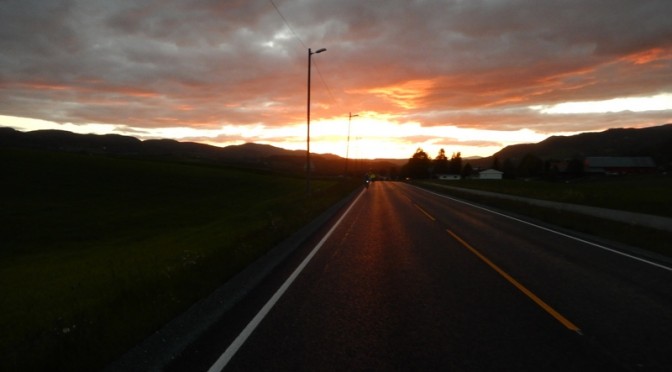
(655, 142)
(63, 140)
(115, 144)
(248, 154)
(256, 151)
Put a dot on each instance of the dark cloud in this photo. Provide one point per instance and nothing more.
(207, 63)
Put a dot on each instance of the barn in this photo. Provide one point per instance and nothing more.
(490, 174)
(619, 165)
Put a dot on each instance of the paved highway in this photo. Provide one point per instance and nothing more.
(409, 280)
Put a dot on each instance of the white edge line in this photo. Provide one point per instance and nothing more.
(224, 359)
(553, 231)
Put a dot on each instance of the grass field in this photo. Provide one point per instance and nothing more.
(98, 252)
(643, 194)
(648, 194)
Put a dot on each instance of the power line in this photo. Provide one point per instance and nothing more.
(325, 83)
(288, 25)
(305, 47)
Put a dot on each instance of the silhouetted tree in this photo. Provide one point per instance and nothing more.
(551, 168)
(441, 163)
(575, 167)
(467, 170)
(418, 165)
(530, 166)
(456, 163)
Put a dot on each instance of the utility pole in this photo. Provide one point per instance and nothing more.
(310, 54)
(347, 149)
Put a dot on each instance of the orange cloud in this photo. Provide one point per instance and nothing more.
(648, 56)
(89, 87)
(35, 85)
(406, 95)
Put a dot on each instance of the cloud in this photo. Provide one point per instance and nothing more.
(654, 103)
(210, 64)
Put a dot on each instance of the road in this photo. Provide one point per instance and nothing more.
(410, 280)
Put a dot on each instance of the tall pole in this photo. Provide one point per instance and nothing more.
(347, 149)
(310, 54)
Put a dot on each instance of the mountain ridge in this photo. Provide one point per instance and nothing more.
(253, 155)
(654, 142)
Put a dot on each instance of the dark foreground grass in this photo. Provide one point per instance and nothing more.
(98, 252)
(608, 193)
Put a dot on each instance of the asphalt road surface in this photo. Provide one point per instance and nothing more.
(407, 280)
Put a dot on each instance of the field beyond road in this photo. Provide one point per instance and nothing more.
(646, 194)
(98, 252)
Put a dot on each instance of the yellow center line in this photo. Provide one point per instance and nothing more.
(568, 324)
(425, 212)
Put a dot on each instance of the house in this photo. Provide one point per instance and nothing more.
(619, 165)
(490, 174)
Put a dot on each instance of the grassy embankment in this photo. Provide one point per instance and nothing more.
(98, 252)
(649, 194)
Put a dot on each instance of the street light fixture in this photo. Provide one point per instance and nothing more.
(310, 54)
(347, 149)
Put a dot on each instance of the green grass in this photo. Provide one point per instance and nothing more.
(648, 194)
(98, 252)
(643, 194)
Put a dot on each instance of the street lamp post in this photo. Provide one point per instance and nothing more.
(347, 149)
(310, 54)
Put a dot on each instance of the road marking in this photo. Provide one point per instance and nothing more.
(661, 266)
(564, 321)
(425, 212)
(228, 354)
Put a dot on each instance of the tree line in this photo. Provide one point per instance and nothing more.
(421, 165)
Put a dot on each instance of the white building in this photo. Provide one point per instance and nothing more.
(490, 174)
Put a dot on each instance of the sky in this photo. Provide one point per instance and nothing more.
(468, 76)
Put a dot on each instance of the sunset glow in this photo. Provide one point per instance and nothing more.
(660, 102)
(470, 77)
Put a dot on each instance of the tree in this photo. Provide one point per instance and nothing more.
(456, 163)
(441, 164)
(575, 167)
(418, 165)
(467, 170)
(530, 166)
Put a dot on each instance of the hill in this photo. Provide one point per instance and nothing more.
(655, 142)
(247, 155)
